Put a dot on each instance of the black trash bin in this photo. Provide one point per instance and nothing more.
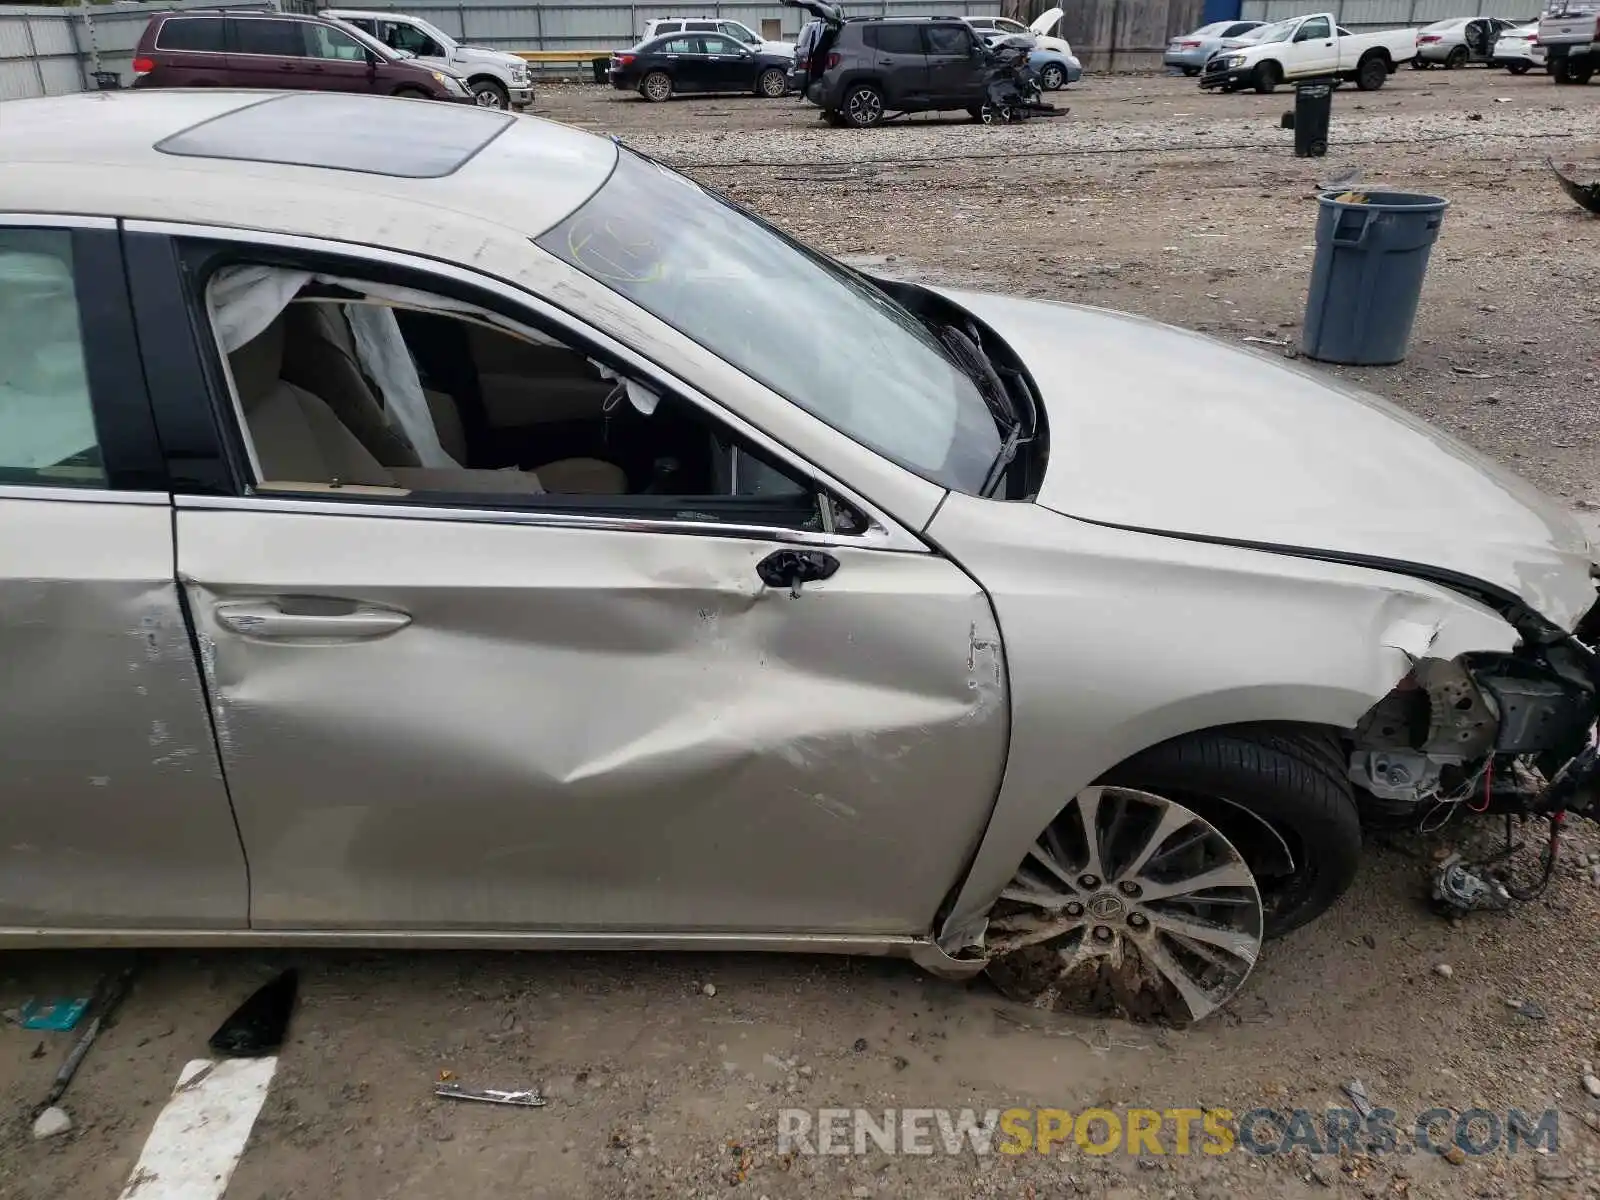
(1313, 111)
(1372, 255)
(600, 65)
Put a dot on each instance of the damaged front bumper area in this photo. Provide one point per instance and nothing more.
(1506, 732)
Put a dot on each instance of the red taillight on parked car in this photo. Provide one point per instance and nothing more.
(1429, 37)
(833, 61)
(1188, 45)
(143, 66)
(622, 60)
(1533, 39)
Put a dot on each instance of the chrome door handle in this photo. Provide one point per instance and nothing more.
(270, 619)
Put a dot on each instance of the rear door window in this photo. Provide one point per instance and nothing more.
(683, 45)
(266, 36)
(893, 39)
(47, 430)
(700, 26)
(191, 33)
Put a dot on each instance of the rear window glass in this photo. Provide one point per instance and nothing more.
(190, 33)
(371, 134)
(283, 38)
(893, 39)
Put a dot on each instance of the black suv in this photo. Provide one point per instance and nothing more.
(862, 68)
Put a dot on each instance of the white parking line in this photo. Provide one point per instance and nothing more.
(200, 1134)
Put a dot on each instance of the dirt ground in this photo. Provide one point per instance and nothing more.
(1148, 197)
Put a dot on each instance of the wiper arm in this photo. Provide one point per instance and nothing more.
(976, 364)
(1003, 460)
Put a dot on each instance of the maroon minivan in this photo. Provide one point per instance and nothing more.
(245, 49)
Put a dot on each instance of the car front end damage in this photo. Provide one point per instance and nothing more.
(1511, 733)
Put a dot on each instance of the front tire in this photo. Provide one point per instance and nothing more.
(1191, 72)
(863, 106)
(772, 83)
(489, 94)
(1267, 77)
(1519, 68)
(656, 87)
(1291, 784)
(1052, 77)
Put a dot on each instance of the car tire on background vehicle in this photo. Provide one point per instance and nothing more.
(772, 83)
(1052, 76)
(1519, 68)
(975, 112)
(490, 94)
(1191, 72)
(1420, 64)
(656, 87)
(1372, 72)
(1456, 58)
(1579, 74)
(411, 93)
(1257, 782)
(1267, 77)
(863, 106)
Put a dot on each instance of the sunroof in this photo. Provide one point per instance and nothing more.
(407, 139)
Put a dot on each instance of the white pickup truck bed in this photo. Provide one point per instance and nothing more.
(1308, 47)
(1569, 31)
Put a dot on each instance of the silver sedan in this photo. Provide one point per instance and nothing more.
(397, 552)
(1189, 52)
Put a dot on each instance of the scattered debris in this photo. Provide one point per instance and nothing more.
(1502, 99)
(1527, 1008)
(709, 989)
(258, 1026)
(1262, 341)
(1443, 970)
(55, 1015)
(1455, 1156)
(1474, 116)
(1469, 372)
(108, 996)
(1357, 1091)
(1591, 1084)
(50, 1123)
(1586, 195)
(518, 1098)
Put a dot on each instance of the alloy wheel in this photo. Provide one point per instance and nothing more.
(865, 107)
(1129, 904)
(658, 87)
(1052, 77)
(489, 97)
(773, 84)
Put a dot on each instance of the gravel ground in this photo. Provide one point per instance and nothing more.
(1150, 198)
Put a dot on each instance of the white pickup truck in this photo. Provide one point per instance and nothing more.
(1308, 47)
(1569, 31)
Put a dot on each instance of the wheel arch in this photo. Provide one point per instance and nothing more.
(486, 77)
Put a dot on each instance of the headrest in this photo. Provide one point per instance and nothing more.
(257, 364)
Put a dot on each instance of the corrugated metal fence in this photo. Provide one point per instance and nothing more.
(1361, 15)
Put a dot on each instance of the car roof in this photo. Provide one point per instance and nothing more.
(253, 13)
(95, 153)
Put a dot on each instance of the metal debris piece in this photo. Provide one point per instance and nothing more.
(1357, 1091)
(1462, 887)
(520, 1098)
(1587, 195)
(1527, 1008)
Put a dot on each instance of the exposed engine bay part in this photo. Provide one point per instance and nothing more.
(1404, 775)
(1586, 195)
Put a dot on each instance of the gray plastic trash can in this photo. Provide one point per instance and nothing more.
(1371, 259)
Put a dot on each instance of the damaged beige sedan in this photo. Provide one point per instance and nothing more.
(426, 526)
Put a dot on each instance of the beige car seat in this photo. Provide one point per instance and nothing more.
(299, 439)
(320, 357)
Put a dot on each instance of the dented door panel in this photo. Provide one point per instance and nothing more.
(587, 729)
(115, 811)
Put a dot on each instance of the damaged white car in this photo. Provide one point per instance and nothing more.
(400, 553)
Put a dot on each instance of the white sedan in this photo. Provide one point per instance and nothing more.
(1518, 50)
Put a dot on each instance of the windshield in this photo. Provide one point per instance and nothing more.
(1279, 31)
(806, 327)
(1206, 31)
(1452, 23)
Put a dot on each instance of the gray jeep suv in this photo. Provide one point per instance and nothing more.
(862, 68)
